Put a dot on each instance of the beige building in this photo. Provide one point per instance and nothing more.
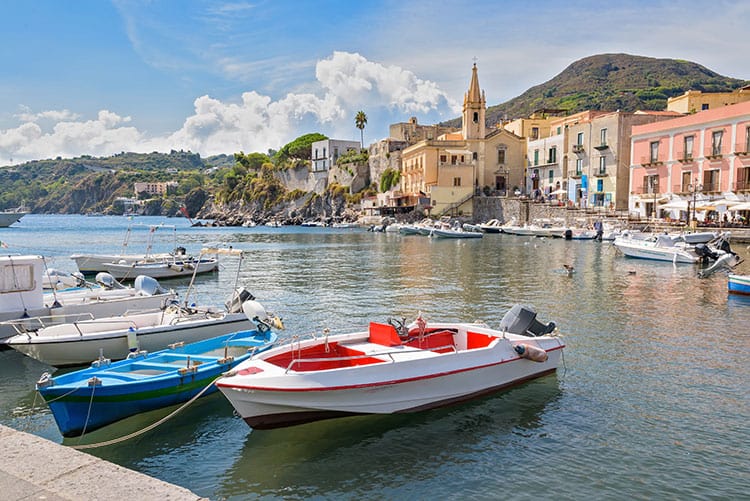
(453, 168)
(411, 132)
(693, 101)
(153, 188)
(536, 126)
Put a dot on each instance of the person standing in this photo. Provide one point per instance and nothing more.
(599, 229)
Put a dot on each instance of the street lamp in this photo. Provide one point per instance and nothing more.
(694, 189)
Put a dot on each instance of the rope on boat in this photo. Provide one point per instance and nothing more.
(147, 428)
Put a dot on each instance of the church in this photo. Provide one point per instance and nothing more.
(455, 167)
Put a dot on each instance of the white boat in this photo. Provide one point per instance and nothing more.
(491, 226)
(390, 368)
(408, 229)
(22, 296)
(657, 247)
(80, 342)
(8, 217)
(168, 268)
(59, 279)
(455, 231)
(93, 263)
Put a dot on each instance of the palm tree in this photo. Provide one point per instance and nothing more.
(360, 120)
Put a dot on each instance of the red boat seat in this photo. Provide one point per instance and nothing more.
(384, 334)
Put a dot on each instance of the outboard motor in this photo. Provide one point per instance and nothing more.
(568, 234)
(107, 281)
(705, 253)
(521, 319)
(80, 279)
(235, 302)
(258, 315)
(148, 286)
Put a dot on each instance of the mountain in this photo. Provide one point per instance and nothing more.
(613, 82)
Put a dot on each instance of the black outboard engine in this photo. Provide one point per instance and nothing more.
(705, 253)
(521, 319)
(568, 234)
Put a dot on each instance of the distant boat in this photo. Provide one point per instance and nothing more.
(7, 218)
(166, 268)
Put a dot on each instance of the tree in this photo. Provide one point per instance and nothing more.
(360, 120)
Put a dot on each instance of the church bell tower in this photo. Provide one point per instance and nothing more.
(475, 107)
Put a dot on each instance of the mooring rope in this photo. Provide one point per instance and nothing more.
(149, 427)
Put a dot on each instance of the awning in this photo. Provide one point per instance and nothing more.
(740, 206)
(675, 205)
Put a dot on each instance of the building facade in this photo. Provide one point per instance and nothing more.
(703, 153)
(325, 153)
(693, 101)
(412, 132)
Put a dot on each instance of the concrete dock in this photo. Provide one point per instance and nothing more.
(35, 468)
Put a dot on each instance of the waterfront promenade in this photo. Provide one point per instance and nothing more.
(35, 468)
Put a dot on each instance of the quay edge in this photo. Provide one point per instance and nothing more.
(36, 468)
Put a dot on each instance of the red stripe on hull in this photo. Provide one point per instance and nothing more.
(282, 420)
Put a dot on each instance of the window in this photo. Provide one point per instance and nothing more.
(552, 155)
(686, 181)
(443, 159)
(551, 176)
(324, 152)
(456, 181)
(501, 156)
(654, 152)
(704, 106)
(559, 131)
(716, 142)
(579, 139)
(600, 185)
(474, 156)
(17, 278)
(602, 165)
(536, 157)
(579, 166)
(747, 140)
(454, 159)
(535, 133)
(711, 180)
(651, 184)
(476, 117)
(316, 153)
(688, 153)
(603, 137)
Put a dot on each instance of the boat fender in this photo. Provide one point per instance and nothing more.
(132, 340)
(45, 380)
(531, 352)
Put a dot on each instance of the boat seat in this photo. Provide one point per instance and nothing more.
(384, 334)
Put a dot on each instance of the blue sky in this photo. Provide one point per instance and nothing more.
(96, 77)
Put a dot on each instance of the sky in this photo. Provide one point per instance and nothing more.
(97, 77)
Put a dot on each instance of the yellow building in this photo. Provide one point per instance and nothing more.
(693, 101)
(455, 167)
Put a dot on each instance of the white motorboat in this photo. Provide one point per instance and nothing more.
(168, 268)
(9, 217)
(80, 342)
(491, 226)
(454, 231)
(22, 296)
(390, 368)
(93, 263)
(657, 247)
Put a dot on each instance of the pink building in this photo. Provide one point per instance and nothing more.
(706, 153)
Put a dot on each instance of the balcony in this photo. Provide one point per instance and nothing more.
(713, 153)
(710, 187)
(742, 149)
(576, 174)
(602, 146)
(646, 190)
(650, 162)
(685, 158)
(742, 186)
(600, 173)
(577, 148)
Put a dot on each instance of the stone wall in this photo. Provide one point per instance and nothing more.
(525, 211)
(300, 178)
(354, 175)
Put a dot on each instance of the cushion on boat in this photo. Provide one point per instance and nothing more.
(384, 334)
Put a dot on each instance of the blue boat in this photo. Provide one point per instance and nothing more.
(106, 392)
(739, 284)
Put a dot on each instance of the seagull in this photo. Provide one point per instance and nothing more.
(568, 269)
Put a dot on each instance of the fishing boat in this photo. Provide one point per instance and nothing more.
(81, 341)
(739, 284)
(391, 368)
(22, 298)
(9, 217)
(87, 399)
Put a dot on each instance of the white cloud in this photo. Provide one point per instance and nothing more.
(345, 83)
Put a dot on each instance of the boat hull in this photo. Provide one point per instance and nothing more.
(145, 383)
(67, 351)
(161, 270)
(8, 218)
(94, 263)
(645, 250)
(739, 284)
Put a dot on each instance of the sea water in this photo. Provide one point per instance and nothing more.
(652, 400)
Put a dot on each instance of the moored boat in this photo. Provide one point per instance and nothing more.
(9, 217)
(739, 284)
(167, 268)
(87, 399)
(391, 368)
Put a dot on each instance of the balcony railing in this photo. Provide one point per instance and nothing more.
(710, 187)
(650, 162)
(576, 174)
(713, 152)
(742, 185)
(742, 149)
(685, 158)
(646, 190)
(600, 173)
(601, 146)
(577, 148)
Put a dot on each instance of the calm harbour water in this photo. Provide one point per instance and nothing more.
(652, 403)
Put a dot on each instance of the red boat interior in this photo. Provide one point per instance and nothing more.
(324, 356)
